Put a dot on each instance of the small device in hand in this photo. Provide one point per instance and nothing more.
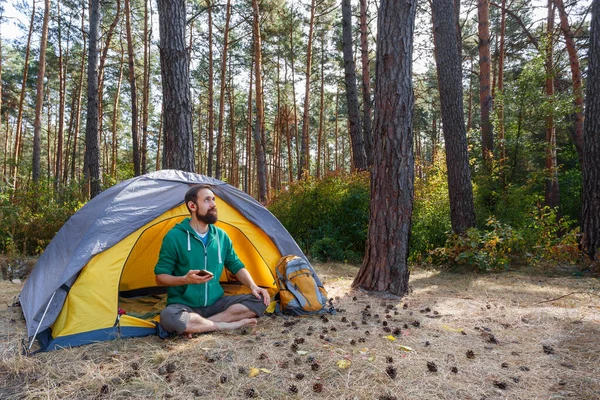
(204, 272)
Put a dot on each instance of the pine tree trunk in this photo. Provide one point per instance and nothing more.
(145, 92)
(133, 87)
(385, 266)
(18, 133)
(552, 194)
(248, 170)
(39, 97)
(235, 173)
(460, 189)
(114, 141)
(577, 132)
(295, 105)
(62, 71)
(76, 113)
(590, 210)
(485, 94)
(500, 104)
(178, 145)
(321, 107)
(222, 93)
(304, 164)
(92, 142)
(211, 112)
(366, 83)
(259, 134)
(358, 146)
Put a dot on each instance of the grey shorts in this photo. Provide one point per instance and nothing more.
(175, 317)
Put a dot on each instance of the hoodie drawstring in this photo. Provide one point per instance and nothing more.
(219, 248)
(189, 246)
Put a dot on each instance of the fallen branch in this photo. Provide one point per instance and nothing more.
(558, 298)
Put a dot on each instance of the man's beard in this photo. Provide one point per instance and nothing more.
(209, 218)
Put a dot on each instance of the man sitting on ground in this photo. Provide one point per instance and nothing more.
(195, 298)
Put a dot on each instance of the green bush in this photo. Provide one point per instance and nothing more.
(329, 217)
(31, 216)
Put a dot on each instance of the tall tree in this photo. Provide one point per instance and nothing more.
(304, 163)
(92, 140)
(577, 132)
(18, 127)
(385, 266)
(39, 97)
(485, 93)
(552, 194)
(178, 144)
(211, 110)
(133, 89)
(460, 189)
(222, 92)
(590, 211)
(366, 83)
(259, 133)
(358, 146)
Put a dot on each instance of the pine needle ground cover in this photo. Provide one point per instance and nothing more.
(455, 336)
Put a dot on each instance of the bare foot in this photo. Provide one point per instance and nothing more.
(236, 324)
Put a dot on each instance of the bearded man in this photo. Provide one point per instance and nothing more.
(191, 260)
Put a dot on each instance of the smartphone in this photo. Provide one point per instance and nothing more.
(204, 272)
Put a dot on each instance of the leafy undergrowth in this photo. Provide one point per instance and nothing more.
(455, 336)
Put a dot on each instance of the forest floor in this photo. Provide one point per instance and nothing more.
(526, 334)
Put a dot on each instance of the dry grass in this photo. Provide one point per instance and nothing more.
(485, 335)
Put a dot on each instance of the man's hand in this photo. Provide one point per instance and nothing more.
(192, 277)
(257, 291)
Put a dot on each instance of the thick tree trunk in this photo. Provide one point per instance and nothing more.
(178, 146)
(590, 211)
(385, 266)
(222, 93)
(460, 189)
(259, 133)
(552, 193)
(500, 104)
(366, 83)
(304, 164)
(135, 135)
(39, 97)
(358, 145)
(92, 142)
(485, 94)
(577, 132)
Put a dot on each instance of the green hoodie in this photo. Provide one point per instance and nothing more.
(182, 250)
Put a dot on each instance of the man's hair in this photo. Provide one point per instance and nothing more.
(192, 194)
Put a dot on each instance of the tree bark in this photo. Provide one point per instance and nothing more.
(18, 127)
(62, 73)
(259, 133)
(133, 89)
(92, 141)
(577, 132)
(500, 104)
(460, 189)
(211, 90)
(366, 83)
(358, 145)
(552, 193)
(322, 106)
(222, 93)
(304, 164)
(590, 210)
(178, 144)
(76, 113)
(385, 266)
(39, 97)
(485, 94)
(115, 141)
(145, 92)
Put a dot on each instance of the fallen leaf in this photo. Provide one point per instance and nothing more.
(265, 370)
(391, 338)
(450, 329)
(343, 364)
(372, 358)
(405, 348)
(253, 372)
(302, 352)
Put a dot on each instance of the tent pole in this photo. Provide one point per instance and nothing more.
(41, 320)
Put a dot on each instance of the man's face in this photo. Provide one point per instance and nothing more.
(205, 207)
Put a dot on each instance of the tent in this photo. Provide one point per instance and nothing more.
(95, 280)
